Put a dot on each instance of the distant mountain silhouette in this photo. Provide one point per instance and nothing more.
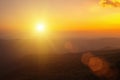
(59, 44)
(92, 44)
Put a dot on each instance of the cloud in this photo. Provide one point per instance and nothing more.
(112, 3)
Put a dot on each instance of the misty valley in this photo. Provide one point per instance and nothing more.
(67, 59)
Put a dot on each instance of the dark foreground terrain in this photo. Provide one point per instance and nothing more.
(29, 63)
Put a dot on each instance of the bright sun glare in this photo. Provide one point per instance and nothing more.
(40, 28)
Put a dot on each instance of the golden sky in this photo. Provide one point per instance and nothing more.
(58, 15)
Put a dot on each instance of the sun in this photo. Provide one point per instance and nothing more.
(40, 27)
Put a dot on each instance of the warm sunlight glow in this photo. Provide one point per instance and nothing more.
(40, 28)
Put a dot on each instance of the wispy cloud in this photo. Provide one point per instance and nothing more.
(112, 3)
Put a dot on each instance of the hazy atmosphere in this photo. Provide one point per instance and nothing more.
(59, 39)
(83, 16)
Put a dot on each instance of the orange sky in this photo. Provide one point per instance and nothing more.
(58, 15)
